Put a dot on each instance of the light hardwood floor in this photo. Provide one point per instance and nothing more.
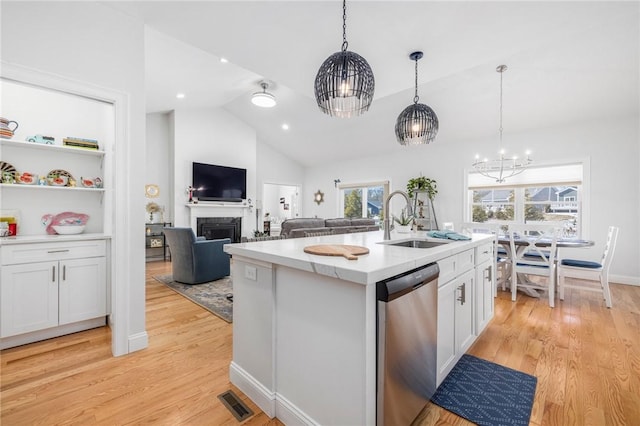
(586, 358)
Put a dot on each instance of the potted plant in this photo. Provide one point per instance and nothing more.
(403, 222)
(422, 184)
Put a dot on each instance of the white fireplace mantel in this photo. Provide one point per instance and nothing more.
(212, 209)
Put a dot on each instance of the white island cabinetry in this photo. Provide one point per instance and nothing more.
(304, 337)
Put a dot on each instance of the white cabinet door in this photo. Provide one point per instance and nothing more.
(464, 312)
(484, 295)
(28, 298)
(446, 355)
(83, 289)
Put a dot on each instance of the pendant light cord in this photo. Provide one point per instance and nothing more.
(501, 71)
(415, 97)
(344, 26)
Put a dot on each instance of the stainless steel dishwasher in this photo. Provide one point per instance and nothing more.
(407, 337)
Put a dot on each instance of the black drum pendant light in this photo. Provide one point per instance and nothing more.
(418, 123)
(344, 84)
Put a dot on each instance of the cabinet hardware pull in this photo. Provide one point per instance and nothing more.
(489, 271)
(58, 251)
(64, 272)
(463, 296)
(53, 274)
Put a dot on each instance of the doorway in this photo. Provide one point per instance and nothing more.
(279, 203)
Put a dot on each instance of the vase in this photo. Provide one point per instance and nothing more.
(403, 229)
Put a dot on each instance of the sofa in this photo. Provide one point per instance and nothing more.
(294, 228)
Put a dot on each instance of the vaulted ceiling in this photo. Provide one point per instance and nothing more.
(568, 62)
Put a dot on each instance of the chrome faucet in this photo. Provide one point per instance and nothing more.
(387, 215)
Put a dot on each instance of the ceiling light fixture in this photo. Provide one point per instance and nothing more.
(285, 126)
(418, 123)
(344, 84)
(224, 60)
(180, 96)
(502, 168)
(263, 99)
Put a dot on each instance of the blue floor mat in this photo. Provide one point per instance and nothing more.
(487, 393)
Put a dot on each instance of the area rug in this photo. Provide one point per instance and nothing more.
(214, 296)
(487, 393)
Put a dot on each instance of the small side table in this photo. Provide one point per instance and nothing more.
(155, 242)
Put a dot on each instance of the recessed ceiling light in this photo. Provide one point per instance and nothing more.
(180, 96)
(224, 60)
(285, 126)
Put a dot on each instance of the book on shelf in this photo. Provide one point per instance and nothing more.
(80, 145)
(73, 138)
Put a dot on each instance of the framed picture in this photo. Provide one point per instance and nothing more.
(155, 242)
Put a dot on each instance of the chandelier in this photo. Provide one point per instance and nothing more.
(503, 167)
(344, 84)
(417, 124)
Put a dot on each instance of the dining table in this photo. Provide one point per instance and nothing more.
(522, 243)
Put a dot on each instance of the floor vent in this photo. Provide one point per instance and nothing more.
(230, 400)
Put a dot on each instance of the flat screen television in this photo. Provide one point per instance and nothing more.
(219, 183)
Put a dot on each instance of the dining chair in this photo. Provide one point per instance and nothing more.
(587, 270)
(503, 262)
(533, 250)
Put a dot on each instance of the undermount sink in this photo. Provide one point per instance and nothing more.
(416, 243)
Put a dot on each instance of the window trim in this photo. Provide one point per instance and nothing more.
(585, 208)
(385, 184)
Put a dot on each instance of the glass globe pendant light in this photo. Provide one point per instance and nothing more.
(344, 84)
(417, 124)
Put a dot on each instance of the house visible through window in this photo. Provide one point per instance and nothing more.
(538, 195)
(363, 199)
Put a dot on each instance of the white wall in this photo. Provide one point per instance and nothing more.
(211, 136)
(92, 43)
(276, 167)
(158, 167)
(611, 146)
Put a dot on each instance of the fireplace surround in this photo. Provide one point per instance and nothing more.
(213, 228)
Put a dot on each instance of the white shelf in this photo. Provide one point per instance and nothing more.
(58, 148)
(50, 187)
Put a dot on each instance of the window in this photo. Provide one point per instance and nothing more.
(538, 195)
(362, 200)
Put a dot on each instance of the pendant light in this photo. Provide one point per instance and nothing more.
(503, 167)
(263, 99)
(418, 123)
(344, 84)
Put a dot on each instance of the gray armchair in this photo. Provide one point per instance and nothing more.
(196, 260)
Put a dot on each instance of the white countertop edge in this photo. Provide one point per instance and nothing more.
(32, 239)
(383, 261)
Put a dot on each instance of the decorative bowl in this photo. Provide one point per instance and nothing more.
(26, 178)
(68, 229)
(59, 181)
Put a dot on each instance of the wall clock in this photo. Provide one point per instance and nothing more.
(151, 191)
(318, 197)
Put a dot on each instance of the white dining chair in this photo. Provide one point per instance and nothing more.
(587, 270)
(533, 251)
(503, 262)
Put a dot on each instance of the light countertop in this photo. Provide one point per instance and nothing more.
(383, 260)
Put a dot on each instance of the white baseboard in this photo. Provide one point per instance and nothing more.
(623, 279)
(138, 341)
(289, 414)
(35, 336)
(256, 391)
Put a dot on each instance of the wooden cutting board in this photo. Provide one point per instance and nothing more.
(350, 252)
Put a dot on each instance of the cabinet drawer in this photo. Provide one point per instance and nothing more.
(452, 266)
(447, 270)
(39, 252)
(464, 261)
(484, 252)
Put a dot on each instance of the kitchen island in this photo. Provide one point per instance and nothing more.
(304, 326)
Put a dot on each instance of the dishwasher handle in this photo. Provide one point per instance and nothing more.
(406, 282)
